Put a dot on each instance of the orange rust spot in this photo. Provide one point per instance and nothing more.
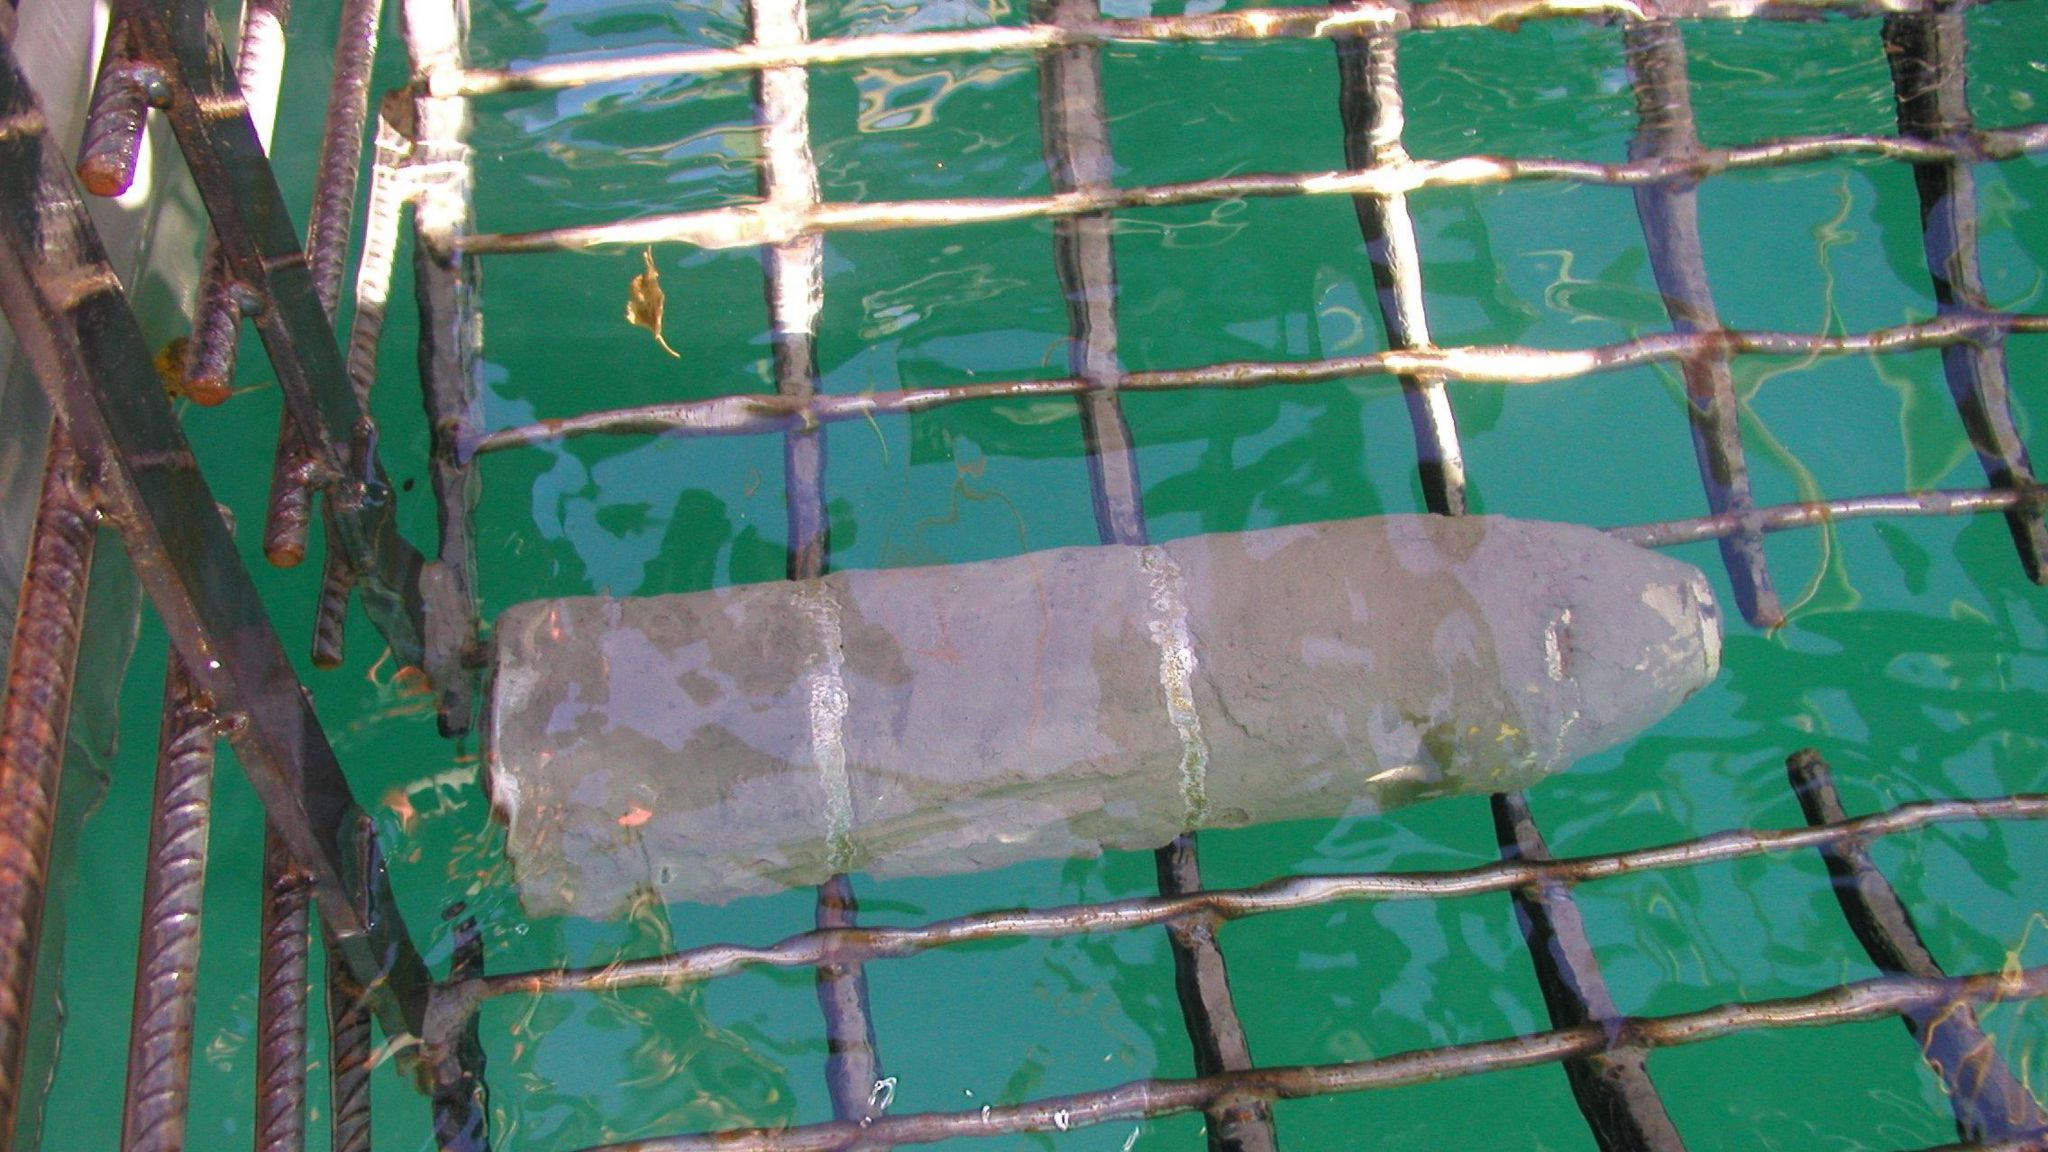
(635, 817)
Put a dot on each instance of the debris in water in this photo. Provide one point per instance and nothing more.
(644, 302)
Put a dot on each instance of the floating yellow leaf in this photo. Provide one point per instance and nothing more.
(644, 302)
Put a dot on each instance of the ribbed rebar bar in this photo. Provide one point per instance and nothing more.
(1671, 226)
(1145, 1099)
(746, 225)
(1369, 101)
(1989, 1102)
(281, 1003)
(461, 1097)
(167, 959)
(1926, 52)
(1281, 895)
(115, 119)
(1613, 1086)
(753, 414)
(33, 722)
(349, 1059)
(1246, 24)
(445, 287)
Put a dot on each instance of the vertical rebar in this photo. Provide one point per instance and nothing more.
(1369, 100)
(349, 1056)
(1989, 1102)
(281, 1003)
(1613, 1088)
(445, 285)
(1075, 131)
(1926, 51)
(461, 1097)
(115, 119)
(1671, 225)
(167, 963)
(33, 724)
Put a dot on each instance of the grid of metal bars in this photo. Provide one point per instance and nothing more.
(118, 454)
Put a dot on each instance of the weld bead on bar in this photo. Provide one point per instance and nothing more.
(115, 119)
(281, 1003)
(33, 725)
(445, 285)
(1369, 99)
(1990, 1103)
(167, 965)
(1670, 219)
(1613, 1087)
(1926, 53)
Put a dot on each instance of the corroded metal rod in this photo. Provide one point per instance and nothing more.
(281, 1002)
(753, 224)
(1926, 54)
(1282, 895)
(33, 722)
(753, 414)
(349, 1057)
(461, 1097)
(1613, 1086)
(1369, 100)
(1989, 1102)
(1248, 24)
(115, 119)
(1144, 1099)
(1808, 514)
(166, 988)
(1671, 226)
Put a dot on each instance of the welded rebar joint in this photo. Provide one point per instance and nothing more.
(121, 98)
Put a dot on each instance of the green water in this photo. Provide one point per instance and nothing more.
(1916, 658)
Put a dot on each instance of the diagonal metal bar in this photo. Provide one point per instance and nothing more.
(446, 287)
(1613, 1087)
(1990, 1103)
(1075, 131)
(67, 309)
(1670, 218)
(1926, 53)
(261, 247)
(33, 722)
(1369, 100)
(166, 991)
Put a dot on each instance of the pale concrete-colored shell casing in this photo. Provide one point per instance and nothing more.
(923, 721)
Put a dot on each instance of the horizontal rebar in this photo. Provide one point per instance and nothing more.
(1808, 514)
(757, 413)
(1250, 24)
(1146, 1099)
(759, 223)
(1285, 894)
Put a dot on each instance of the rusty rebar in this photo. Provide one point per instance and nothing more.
(1926, 52)
(1989, 1102)
(1146, 1099)
(349, 1060)
(116, 117)
(461, 1097)
(167, 964)
(746, 225)
(281, 1003)
(1812, 513)
(1247, 24)
(34, 720)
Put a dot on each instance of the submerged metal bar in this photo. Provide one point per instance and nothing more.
(754, 224)
(68, 312)
(34, 720)
(115, 120)
(1989, 1102)
(167, 964)
(1926, 54)
(1671, 225)
(445, 286)
(1369, 100)
(1247, 24)
(254, 227)
(1282, 895)
(281, 1002)
(1808, 514)
(462, 1114)
(1612, 1086)
(1075, 131)
(349, 1059)
(1144, 1099)
(753, 413)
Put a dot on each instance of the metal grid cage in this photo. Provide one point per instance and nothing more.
(118, 454)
